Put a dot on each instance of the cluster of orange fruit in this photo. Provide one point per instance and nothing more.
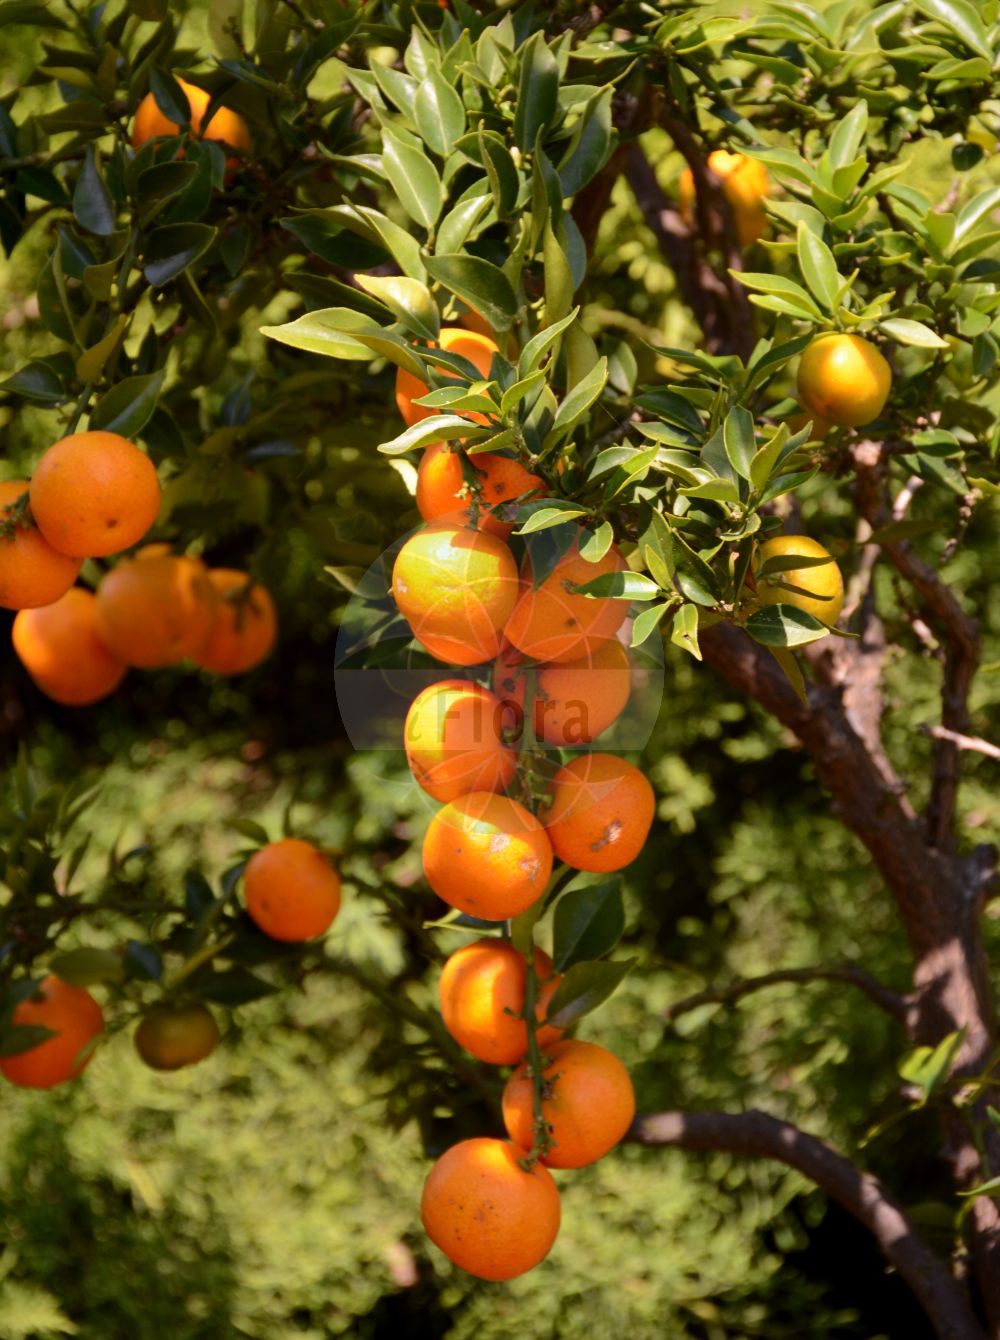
(93, 495)
(291, 892)
(552, 654)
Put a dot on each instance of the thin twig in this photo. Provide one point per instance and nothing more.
(892, 1002)
(971, 742)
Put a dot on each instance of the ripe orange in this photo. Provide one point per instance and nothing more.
(442, 489)
(843, 379)
(456, 587)
(600, 812)
(587, 1103)
(552, 623)
(157, 608)
(745, 185)
(453, 740)
(94, 494)
(60, 648)
(482, 1000)
(574, 702)
(245, 627)
(291, 890)
(478, 349)
(32, 573)
(75, 1018)
(172, 1036)
(225, 126)
(487, 1213)
(823, 582)
(487, 855)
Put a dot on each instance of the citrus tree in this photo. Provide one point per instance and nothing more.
(395, 216)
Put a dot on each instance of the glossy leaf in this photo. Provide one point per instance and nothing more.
(537, 92)
(587, 924)
(93, 207)
(171, 249)
(585, 986)
(414, 178)
(479, 283)
(128, 407)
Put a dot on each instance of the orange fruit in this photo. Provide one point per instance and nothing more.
(61, 650)
(745, 185)
(157, 608)
(291, 890)
(75, 1019)
(442, 488)
(573, 702)
(487, 855)
(453, 740)
(32, 573)
(843, 379)
(172, 1036)
(823, 582)
(487, 1213)
(550, 622)
(94, 494)
(456, 587)
(245, 627)
(482, 1000)
(587, 1103)
(225, 126)
(600, 812)
(470, 344)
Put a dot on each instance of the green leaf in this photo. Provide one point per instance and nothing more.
(780, 286)
(90, 364)
(439, 113)
(647, 621)
(170, 97)
(410, 300)
(459, 224)
(765, 460)
(595, 541)
(36, 381)
(792, 672)
(929, 1067)
(128, 407)
(558, 277)
(991, 1188)
(519, 391)
(19, 1038)
(579, 400)
(399, 88)
(327, 331)
(980, 207)
(904, 331)
(163, 180)
(819, 269)
(961, 19)
(505, 184)
(88, 967)
(590, 146)
(584, 987)
(436, 428)
(171, 249)
(537, 92)
(784, 626)
(587, 924)
(849, 135)
(539, 345)
(479, 283)
(414, 178)
(738, 436)
(93, 207)
(552, 514)
(625, 585)
(234, 986)
(684, 630)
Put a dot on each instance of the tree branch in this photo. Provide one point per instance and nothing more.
(894, 1003)
(762, 1136)
(709, 298)
(970, 742)
(958, 629)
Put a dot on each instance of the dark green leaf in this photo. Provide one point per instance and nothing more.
(537, 92)
(93, 207)
(620, 586)
(171, 249)
(482, 285)
(587, 924)
(170, 97)
(784, 626)
(128, 407)
(439, 113)
(414, 178)
(584, 987)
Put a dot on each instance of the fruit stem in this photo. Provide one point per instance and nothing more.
(541, 1140)
(198, 960)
